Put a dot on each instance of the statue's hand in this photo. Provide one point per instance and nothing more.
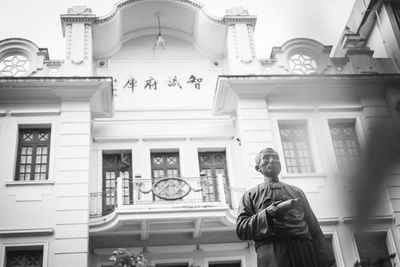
(272, 210)
(286, 205)
(279, 208)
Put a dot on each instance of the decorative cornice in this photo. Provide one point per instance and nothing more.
(239, 19)
(122, 4)
(69, 18)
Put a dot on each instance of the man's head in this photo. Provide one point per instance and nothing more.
(268, 163)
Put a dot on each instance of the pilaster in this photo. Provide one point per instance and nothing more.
(241, 54)
(72, 198)
(77, 31)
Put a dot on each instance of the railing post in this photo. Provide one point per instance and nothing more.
(134, 191)
(221, 189)
(120, 193)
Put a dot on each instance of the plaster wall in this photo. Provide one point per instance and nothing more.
(60, 203)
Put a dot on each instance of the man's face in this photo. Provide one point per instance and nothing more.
(270, 164)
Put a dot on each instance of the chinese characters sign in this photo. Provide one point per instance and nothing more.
(152, 83)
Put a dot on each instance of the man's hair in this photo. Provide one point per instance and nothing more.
(258, 157)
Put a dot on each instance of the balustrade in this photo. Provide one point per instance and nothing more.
(163, 191)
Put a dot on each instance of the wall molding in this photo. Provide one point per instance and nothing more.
(26, 232)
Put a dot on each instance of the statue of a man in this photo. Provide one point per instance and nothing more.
(278, 217)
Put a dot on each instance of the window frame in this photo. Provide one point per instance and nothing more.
(338, 121)
(166, 151)
(33, 164)
(19, 51)
(345, 117)
(277, 140)
(103, 171)
(33, 123)
(336, 247)
(23, 247)
(390, 243)
(215, 146)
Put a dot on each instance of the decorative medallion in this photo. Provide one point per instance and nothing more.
(171, 188)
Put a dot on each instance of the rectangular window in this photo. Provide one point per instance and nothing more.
(15, 257)
(224, 264)
(33, 154)
(373, 250)
(345, 143)
(165, 164)
(296, 147)
(116, 164)
(211, 165)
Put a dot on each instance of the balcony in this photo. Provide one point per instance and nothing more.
(172, 192)
(184, 204)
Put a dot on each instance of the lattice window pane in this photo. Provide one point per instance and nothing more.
(172, 173)
(158, 160)
(345, 143)
(296, 149)
(14, 65)
(158, 174)
(171, 160)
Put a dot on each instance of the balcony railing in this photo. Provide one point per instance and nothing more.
(163, 191)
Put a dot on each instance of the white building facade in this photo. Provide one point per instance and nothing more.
(144, 137)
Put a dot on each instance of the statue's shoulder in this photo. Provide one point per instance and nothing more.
(256, 189)
(292, 187)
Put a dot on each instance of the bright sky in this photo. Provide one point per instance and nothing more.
(278, 20)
